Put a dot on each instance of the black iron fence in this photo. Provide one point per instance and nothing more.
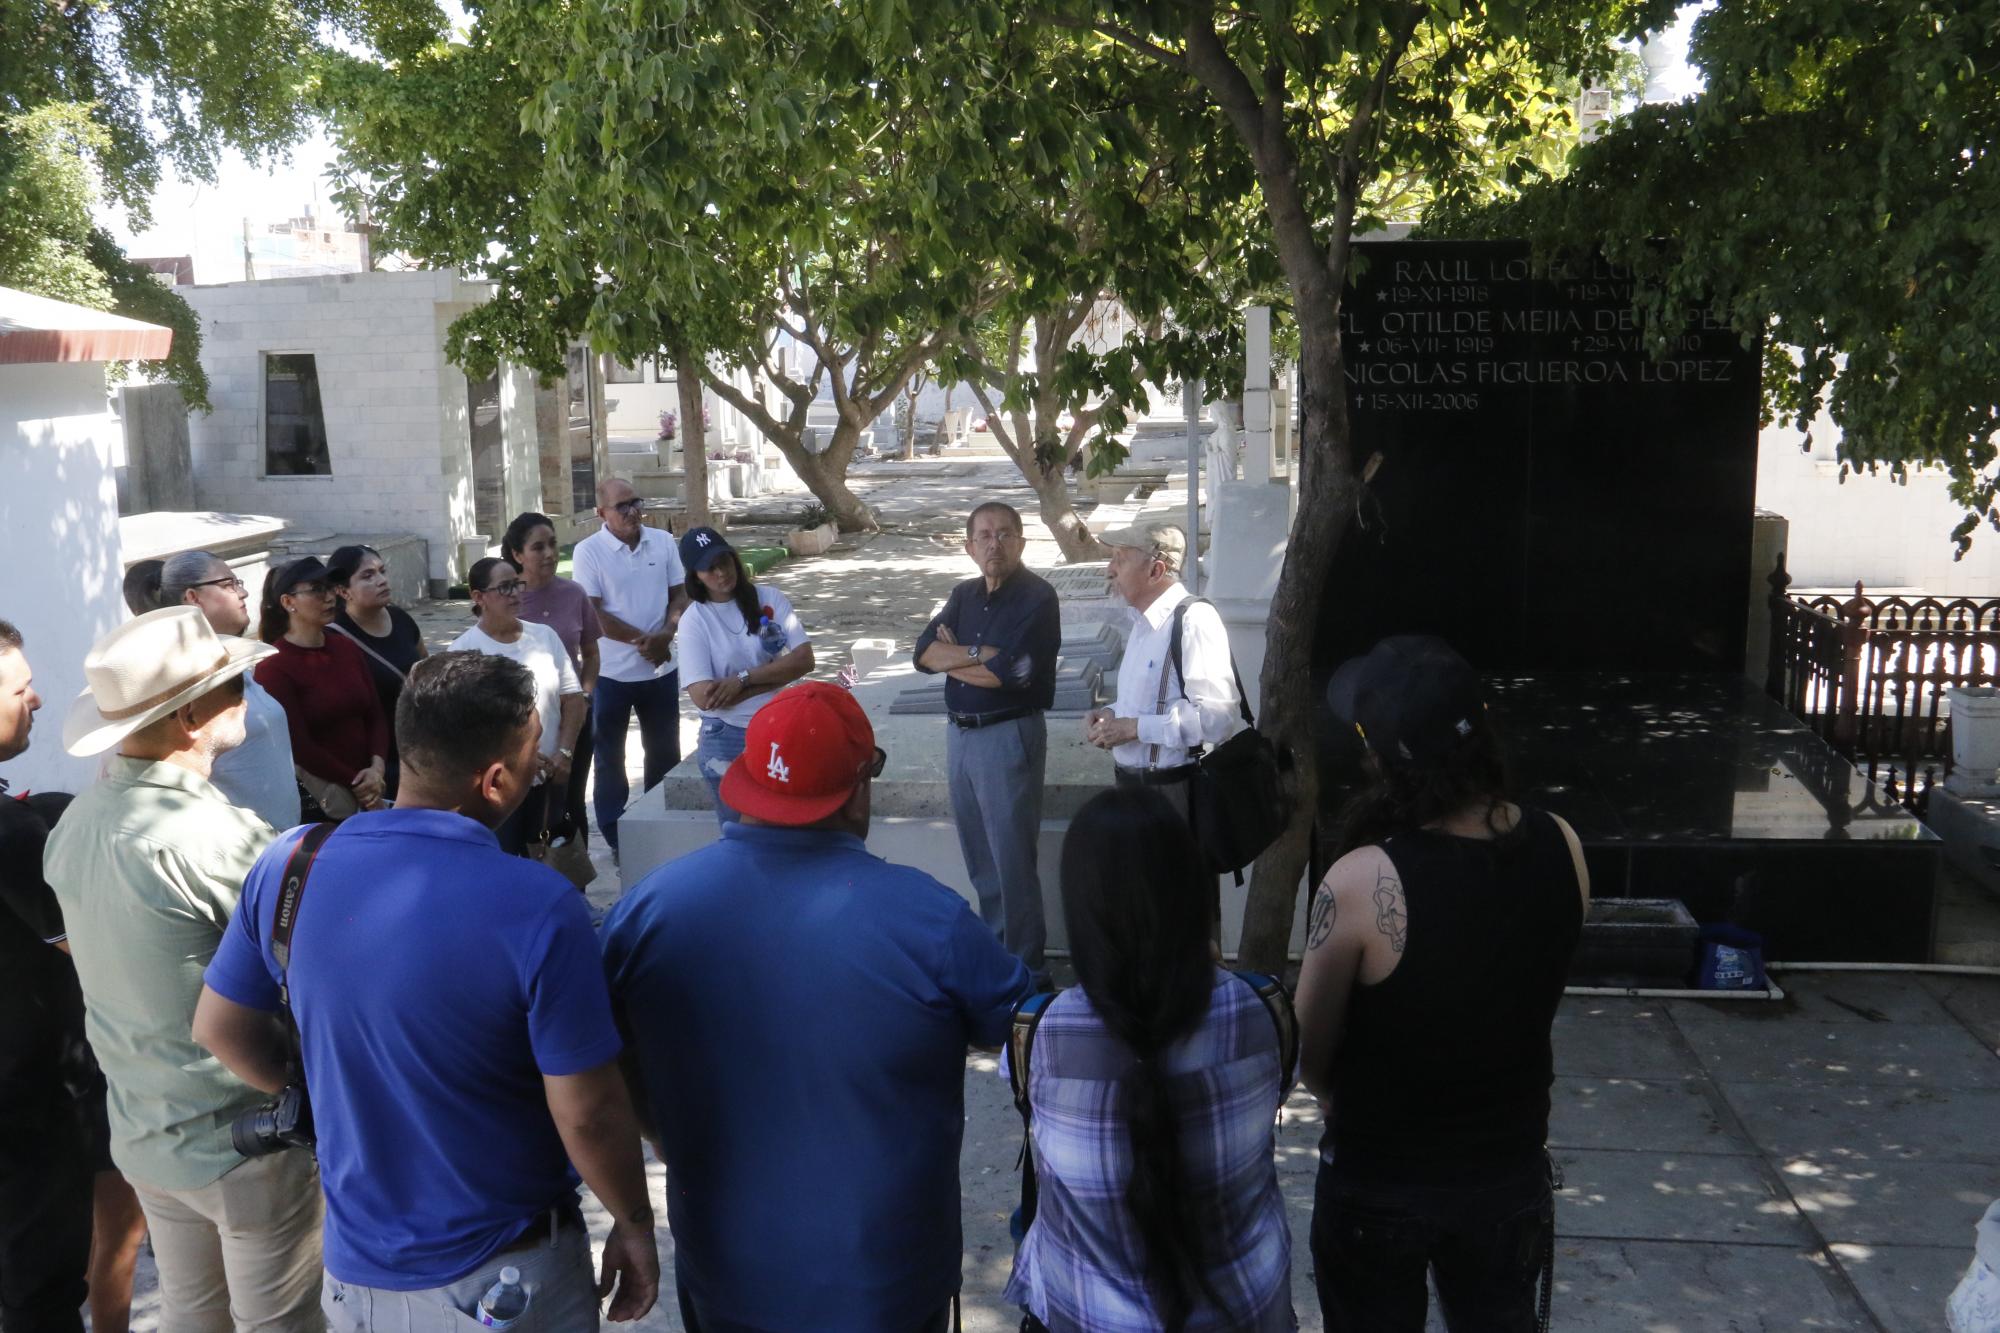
(1870, 675)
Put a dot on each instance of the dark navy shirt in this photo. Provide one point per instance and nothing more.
(1023, 620)
(800, 1011)
(435, 980)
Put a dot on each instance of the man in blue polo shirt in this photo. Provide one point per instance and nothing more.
(799, 1012)
(996, 641)
(459, 1046)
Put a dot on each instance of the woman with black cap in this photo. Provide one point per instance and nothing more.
(340, 737)
(1436, 950)
(739, 643)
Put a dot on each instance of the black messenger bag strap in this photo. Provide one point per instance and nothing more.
(297, 867)
(1174, 651)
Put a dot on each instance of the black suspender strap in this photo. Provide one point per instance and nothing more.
(297, 867)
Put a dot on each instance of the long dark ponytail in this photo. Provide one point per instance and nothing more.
(1138, 906)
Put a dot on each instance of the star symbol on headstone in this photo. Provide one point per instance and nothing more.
(1361, 346)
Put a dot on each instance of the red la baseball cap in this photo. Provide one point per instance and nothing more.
(802, 756)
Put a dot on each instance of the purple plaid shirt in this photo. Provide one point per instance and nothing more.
(1080, 1269)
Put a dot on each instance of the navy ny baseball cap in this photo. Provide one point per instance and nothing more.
(702, 547)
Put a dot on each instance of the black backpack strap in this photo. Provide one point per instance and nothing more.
(1174, 652)
(1021, 1044)
(298, 867)
(1278, 1004)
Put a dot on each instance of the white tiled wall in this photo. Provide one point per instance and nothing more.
(395, 408)
(1868, 528)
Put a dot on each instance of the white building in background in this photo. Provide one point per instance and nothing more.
(59, 503)
(336, 409)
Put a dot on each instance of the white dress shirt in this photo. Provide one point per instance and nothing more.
(634, 584)
(1206, 714)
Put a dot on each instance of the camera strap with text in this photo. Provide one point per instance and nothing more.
(297, 867)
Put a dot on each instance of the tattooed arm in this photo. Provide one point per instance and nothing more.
(1355, 931)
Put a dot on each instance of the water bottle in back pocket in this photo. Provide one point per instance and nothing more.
(505, 1301)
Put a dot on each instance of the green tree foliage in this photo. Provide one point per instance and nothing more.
(1836, 187)
(97, 97)
(1343, 110)
(50, 246)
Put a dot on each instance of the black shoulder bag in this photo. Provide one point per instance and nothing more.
(1236, 795)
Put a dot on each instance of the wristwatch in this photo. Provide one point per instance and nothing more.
(743, 677)
(972, 651)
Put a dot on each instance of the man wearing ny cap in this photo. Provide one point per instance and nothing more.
(147, 865)
(799, 1013)
(1163, 713)
(996, 641)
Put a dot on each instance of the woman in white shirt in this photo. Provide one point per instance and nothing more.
(739, 644)
(559, 701)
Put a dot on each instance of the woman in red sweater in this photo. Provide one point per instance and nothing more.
(340, 736)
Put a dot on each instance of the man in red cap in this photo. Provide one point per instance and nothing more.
(799, 1011)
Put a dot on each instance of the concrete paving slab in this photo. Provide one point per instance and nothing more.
(1892, 1203)
(1805, 1050)
(1641, 1115)
(1669, 1196)
(1868, 1124)
(1610, 1037)
(1972, 1001)
(1905, 1286)
(1828, 997)
(1608, 1286)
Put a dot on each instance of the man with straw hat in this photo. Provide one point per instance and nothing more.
(147, 865)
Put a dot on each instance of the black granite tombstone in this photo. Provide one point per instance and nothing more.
(1574, 515)
(1550, 497)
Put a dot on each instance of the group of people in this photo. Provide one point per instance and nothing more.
(784, 1016)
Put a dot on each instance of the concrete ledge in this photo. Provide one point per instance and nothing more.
(1970, 829)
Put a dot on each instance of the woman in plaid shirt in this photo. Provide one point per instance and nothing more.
(1155, 1086)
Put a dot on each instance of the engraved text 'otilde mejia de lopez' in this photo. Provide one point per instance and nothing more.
(1434, 333)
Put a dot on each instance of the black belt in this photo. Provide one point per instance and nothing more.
(545, 1226)
(974, 721)
(1156, 777)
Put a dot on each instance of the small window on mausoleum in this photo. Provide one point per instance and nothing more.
(294, 426)
(617, 372)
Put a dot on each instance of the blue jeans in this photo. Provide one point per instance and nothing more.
(658, 704)
(717, 748)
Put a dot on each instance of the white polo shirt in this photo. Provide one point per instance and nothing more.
(632, 583)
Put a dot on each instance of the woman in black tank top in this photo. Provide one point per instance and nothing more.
(1435, 956)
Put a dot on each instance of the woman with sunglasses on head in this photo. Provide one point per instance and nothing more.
(1154, 1086)
(549, 599)
(739, 644)
(340, 736)
(559, 702)
(387, 635)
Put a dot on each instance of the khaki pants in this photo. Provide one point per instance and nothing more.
(562, 1295)
(240, 1255)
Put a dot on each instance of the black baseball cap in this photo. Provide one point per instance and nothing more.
(1411, 697)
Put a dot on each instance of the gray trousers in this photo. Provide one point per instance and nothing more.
(562, 1294)
(996, 800)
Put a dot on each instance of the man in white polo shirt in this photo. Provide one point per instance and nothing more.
(633, 576)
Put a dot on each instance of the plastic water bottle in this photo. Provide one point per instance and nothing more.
(771, 636)
(504, 1301)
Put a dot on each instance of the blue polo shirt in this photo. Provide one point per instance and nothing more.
(800, 1010)
(435, 980)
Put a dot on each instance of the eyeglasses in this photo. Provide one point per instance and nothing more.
(874, 766)
(993, 538)
(631, 506)
(315, 588)
(507, 589)
(232, 583)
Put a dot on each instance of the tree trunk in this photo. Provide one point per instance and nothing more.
(1326, 498)
(694, 437)
(1071, 533)
(825, 475)
(910, 422)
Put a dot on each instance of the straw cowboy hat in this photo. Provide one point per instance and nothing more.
(148, 667)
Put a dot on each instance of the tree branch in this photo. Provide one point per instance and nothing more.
(1124, 36)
